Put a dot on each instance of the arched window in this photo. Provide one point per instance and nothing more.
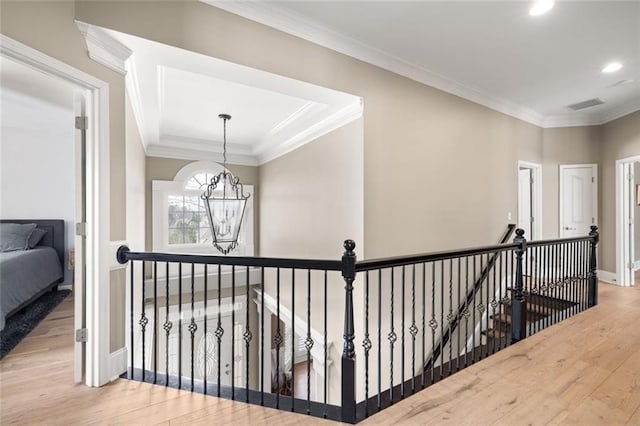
(180, 222)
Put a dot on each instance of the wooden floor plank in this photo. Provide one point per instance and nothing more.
(585, 370)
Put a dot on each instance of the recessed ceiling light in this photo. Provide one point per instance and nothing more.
(612, 67)
(541, 7)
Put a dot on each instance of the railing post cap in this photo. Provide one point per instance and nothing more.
(349, 246)
(121, 254)
(594, 229)
(520, 233)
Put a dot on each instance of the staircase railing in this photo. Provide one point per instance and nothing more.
(484, 274)
(405, 305)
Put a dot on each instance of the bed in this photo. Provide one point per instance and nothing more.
(25, 275)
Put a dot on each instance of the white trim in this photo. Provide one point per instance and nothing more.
(113, 249)
(103, 48)
(607, 277)
(97, 202)
(536, 174)
(272, 15)
(622, 249)
(594, 168)
(118, 363)
(154, 150)
(65, 287)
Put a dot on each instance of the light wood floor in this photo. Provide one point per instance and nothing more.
(585, 370)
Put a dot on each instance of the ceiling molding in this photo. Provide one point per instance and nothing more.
(103, 48)
(193, 154)
(272, 15)
(338, 119)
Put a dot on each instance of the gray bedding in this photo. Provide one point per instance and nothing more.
(25, 273)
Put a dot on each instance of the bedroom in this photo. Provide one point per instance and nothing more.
(38, 192)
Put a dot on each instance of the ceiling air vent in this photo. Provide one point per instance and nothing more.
(585, 104)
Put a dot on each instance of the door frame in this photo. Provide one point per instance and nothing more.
(623, 245)
(98, 255)
(594, 168)
(536, 197)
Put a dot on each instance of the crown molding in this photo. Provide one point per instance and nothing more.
(154, 150)
(338, 119)
(103, 48)
(271, 15)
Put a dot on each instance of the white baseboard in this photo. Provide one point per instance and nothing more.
(117, 363)
(607, 277)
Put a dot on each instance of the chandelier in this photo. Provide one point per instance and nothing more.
(225, 201)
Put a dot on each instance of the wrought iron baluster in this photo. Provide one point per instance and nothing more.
(459, 309)
(366, 344)
(167, 324)
(325, 378)
(262, 317)
(501, 321)
(219, 330)
(413, 329)
(391, 337)
(473, 337)
(424, 308)
(466, 311)
(277, 339)
(442, 319)
(143, 321)
(433, 324)
(402, 327)
(293, 337)
(180, 325)
(205, 333)
(379, 402)
(155, 322)
(192, 327)
(308, 344)
(131, 320)
(494, 303)
(247, 336)
(450, 314)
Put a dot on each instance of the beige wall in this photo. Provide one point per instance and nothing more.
(620, 139)
(135, 171)
(166, 168)
(561, 146)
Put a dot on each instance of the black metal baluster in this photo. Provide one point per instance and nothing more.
(325, 378)
(424, 308)
(563, 280)
(247, 336)
(499, 305)
(131, 320)
(366, 344)
(458, 309)
(219, 330)
(585, 275)
(192, 325)
(277, 339)
(547, 305)
(205, 339)
(473, 337)
(466, 313)
(308, 343)
(442, 319)
(494, 304)
(262, 315)
(450, 314)
(233, 332)
(486, 303)
(413, 329)
(402, 327)
(293, 337)
(379, 339)
(143, 321)
(155, 322)
(179, 325)
(167, 325)
(433, 324)
(392, 338)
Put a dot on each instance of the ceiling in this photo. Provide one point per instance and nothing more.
(492, 53)
(177, 95)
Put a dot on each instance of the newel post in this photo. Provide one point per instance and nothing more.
(348, 349)
(593, 265)
(518, 302)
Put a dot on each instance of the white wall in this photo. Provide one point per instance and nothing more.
(37, 152)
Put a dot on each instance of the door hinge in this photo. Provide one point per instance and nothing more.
(82, 123)
(81, 229)
(631, 265)
(82, 335)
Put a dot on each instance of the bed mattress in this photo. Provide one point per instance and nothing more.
(25, 273)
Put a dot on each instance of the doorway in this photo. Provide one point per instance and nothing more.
(578, 199)
(530, 199)
(627, 217)
(92, 363)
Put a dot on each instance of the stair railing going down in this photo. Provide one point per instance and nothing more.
(266, 330)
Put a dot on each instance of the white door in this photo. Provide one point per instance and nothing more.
(578, 199)
(525, 214)
(79, 283)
